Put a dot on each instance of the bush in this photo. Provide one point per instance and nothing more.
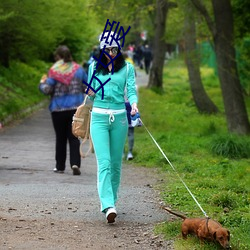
(231, 146)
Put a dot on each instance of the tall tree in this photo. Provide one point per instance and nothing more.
(159, 46)
(201, 99)
(223, 38)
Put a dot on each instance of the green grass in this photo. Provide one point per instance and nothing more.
(214, 164)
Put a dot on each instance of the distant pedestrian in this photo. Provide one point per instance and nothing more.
(139, 56)
(93, 53)
(147, 54)
(130, 53)
(64, 85)
(128, 109)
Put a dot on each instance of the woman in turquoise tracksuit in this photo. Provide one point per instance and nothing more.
(109, 123)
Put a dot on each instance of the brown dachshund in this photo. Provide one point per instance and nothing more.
(204, 229)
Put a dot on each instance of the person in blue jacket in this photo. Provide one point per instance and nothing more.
(109, 124)
(64, 83)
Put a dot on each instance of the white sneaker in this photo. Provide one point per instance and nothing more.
(58, 171)
(111, 214)
(130, 156)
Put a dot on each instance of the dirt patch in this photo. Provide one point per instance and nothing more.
(51, 234)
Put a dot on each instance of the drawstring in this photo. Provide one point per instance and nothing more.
(109, 112)
(111, 117)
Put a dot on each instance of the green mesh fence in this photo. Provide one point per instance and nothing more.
(207, 55)
(208, 58)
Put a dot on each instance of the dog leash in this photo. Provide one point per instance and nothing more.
(174, 169)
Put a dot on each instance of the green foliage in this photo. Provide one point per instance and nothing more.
(243, 59)
(138, 15)
(19, 87)
(29, 34)
(219, 183)
(241, 17)
(175, 28)
(175, 25)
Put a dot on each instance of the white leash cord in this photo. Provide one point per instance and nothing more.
(174, 169)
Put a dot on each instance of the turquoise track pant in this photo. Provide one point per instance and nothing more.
(108, 136)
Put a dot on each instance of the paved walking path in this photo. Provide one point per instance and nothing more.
(30, 190)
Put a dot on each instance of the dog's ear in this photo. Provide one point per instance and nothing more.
(214, 235)
(228, 237)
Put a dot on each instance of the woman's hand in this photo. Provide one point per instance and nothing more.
(43, 79)
(134, 109)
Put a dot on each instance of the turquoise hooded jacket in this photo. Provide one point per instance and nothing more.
(111, 95)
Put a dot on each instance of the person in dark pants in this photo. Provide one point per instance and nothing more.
(62, 125)
(128, 109)
(64, 84)
(147, 54)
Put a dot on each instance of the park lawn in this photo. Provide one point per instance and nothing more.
(190, 140)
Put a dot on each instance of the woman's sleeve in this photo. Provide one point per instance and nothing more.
(90, 72)
(131, 85)
(82, 75)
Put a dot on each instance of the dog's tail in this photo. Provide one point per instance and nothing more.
(175, 213)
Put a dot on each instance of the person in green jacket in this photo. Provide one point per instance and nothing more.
(109, 123)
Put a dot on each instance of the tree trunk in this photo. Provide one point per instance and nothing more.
(235, 109)
(201, 99)
(159, 47)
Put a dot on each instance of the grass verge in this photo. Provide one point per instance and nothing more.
(214, 164)
(19, 89)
